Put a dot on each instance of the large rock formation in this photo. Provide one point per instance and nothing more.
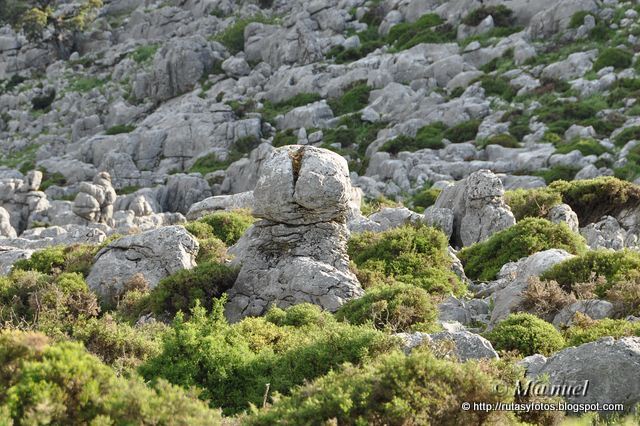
(297, 253)
(611, 367)
(23, 201)
(94, 201)
(478, 206)
(155, 254)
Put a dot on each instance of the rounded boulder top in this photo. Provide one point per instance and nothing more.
(303, 185)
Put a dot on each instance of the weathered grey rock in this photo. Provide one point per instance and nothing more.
(6, 230)
(478, 208)
(513, 280)
(532, 364)
(182, 191)
(178, 66)
(576, 65)
(312, 116)
(562, 213)
(155, 254)
(94, 202)
(9, 256)
(467, 345)
(298, 253)
(607, 233)
(236, 66)
(243, 200)
(595, 309)
(611, 367)
(557, 17)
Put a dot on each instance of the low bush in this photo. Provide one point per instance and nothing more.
(60, 383)
(612, 266)
(577, 19)
(613, 57)
(43, 102)
(557, 173)
(428, 137)
(593, 198)
(526, 334)
(630, 133)
(429, 28)
(412, 255)
(233, 36)
(238, 149)
(545, 299)
(188, 287)
(502, 16)
(395, 308)
(228, 226)
(497, 86)
(235, 362)
(585, 330)
(54, 260)
(463, 132)
(504, 139)
(145, 53)
(585, 146)
(352, 100)
(396, 390)
(482, 261)
(625, 294)
(531, 202)
(120, 129)
(424, 198)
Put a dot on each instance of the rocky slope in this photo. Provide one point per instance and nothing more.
(407, 166)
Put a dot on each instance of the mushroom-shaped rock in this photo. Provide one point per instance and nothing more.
(298, 252)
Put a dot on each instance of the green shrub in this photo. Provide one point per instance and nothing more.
(557, 173)
(482, 261)
(412, 255)
(578, 18)
(613, 57)
(502, 16)
(235, 362)
(504, 139)
(593, 198)
(527, 334)
(560, 115)
(285, 138)
(370, 40)
(50, 179)
(428, 137)
(429, 28)
(630, 133)
(613, 266)
(497, 86)
(352, 100)
(396, 390)
(211, 162)
(53, 260)
(228, 226)
(43, 102)
(424, 198)
(144, 53)
(120, 128)
(233, 36)
(271, 110)
(182, 290)
(463, 132)
(46, 383)
(395, 308)
(585, 330)
(585, 146)
(116, 343)
(86, 84)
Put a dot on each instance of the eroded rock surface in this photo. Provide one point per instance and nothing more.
(297, 253)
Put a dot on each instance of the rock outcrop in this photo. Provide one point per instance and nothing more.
(94, 202)
(155, 254)
(297, 253)
(478, 207)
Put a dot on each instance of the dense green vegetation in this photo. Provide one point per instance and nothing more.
(412, 255)
(613, 266)
(483, 260)
(585, 330)
(526, 334)
(236, 362)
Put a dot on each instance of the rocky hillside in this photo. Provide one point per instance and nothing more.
(262, 212)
